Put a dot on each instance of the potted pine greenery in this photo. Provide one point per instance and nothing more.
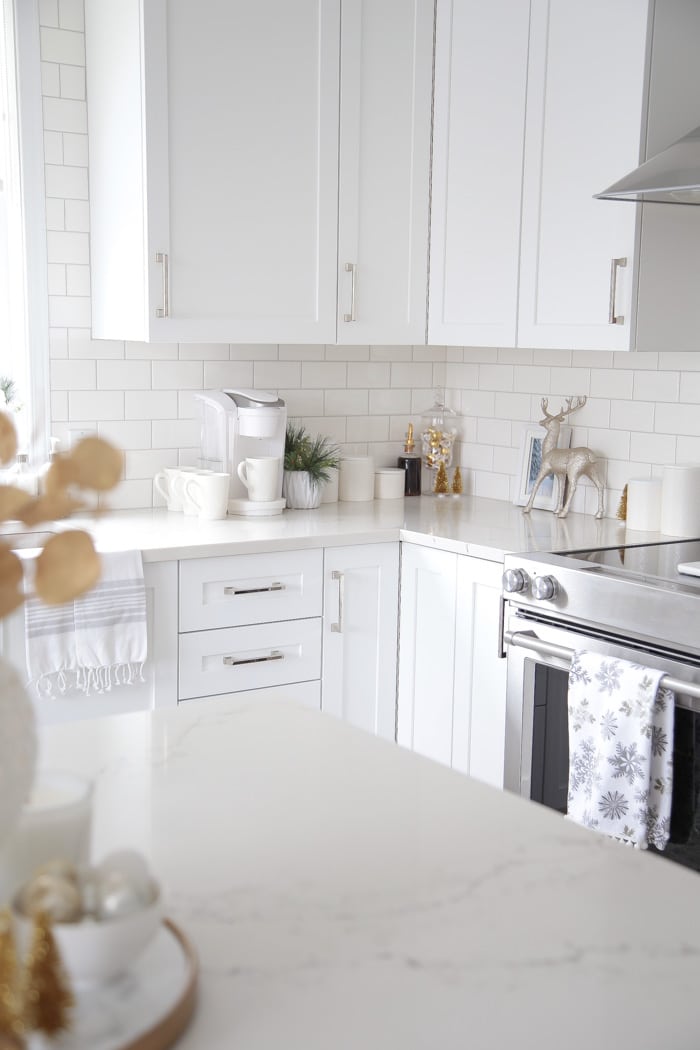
(307, 462)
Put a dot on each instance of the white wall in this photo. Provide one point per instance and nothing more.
(643, 409)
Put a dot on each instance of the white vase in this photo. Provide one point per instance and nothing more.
(18, 748)
(300, 490)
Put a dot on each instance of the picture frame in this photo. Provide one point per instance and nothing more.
(547, 496)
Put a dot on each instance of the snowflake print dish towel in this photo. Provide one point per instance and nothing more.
(620, 750)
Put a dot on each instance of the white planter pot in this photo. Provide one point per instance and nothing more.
(300, 490)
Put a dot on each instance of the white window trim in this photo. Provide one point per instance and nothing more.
(31, 122)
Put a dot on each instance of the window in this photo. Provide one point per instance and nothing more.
(23, 273)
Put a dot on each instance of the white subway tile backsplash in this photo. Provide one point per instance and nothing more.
(187, 407)
(55, 214)
(130, 434)
(509, 406)
(656, 386)
(491, 486)
(689, 387)
(681, 362)
(65, 114)
(640, 361)
(82, 345)
(56, 273)
(48, 13)
(177, 375)
(72, 82)
(253, 352)
(203, 352)
(123, 375)
(176, 433)
(388, 353)
(53, 147)
(73, 375)
(374, 374)
(129, 495)
(597, 359)
(620, 471)
(688, 449)
(58, 343)
(332, 427)
(77, 215)
(607, 382)
(303, 402)
(317, 374)
(651, 448)
(64, 181)
(570, 381)
(346, 402)
(301, 353)
(367, 428)
(632, 415)
(461, 376)
(506, 460)
(59, 45)
(71, 14)
(609, 443)
(531, 379)
(555, 358)
(50, 79)
(677, 419)
(75, 150)
(513, 356)
(406, 375)
(151, 404)
(493, 432)
(77, 279)
(347, 353)
(68, 311)
(151, 351)
(229, 375)
(59, 405)
(496, 377)
(271, 375)
(388, 402)
(96, 404)
(146, 463)
(65, 247)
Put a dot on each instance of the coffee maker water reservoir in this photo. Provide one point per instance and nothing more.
(236, 424)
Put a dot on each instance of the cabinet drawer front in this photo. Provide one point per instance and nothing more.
(237, 658)
(250, 588)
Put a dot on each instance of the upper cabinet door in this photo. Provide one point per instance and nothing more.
(585, 117)
(479, 123)
(214, 169)
(385, 113)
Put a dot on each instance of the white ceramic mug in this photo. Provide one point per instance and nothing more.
(208, 493)
(189, 507)
(261, 476)
(167, 484)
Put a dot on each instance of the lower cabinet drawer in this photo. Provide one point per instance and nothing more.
(306, 694)
(237, 658)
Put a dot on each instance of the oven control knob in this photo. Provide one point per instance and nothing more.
(544, 588)
(514, 580)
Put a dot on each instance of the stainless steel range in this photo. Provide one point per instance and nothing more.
(626, 602)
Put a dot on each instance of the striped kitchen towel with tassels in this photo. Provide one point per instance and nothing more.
(95, 642)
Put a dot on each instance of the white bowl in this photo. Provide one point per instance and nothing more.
(97, 951)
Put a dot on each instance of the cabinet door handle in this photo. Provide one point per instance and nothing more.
(164, 310)
(236, 661)
(615, 264)
(255, 590)
(351, 268)
(337, 628)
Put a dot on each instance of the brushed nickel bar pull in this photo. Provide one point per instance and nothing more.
(337, 628)
(164, 310)
(615, 264)
(538, 645)
(234, 661)
(255, 590)
(351, 268)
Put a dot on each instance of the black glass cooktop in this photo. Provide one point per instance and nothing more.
(654, 560)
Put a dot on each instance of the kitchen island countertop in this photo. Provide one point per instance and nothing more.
(342, 892)
(476, 526)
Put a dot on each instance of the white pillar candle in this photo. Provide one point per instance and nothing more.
(356, 481)
(54, 824)
(680, 500)
(644, 504)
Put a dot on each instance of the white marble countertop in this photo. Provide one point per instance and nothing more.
(469, 525)
(344, 893)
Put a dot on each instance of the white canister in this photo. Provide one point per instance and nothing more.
(680, 500)
(644, 504)
(329, 491)
(389, 483)
(356, 478)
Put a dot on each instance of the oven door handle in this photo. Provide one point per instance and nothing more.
(537, 645)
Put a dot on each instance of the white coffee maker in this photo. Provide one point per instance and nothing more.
(237, 424)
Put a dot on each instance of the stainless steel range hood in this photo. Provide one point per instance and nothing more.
(671, 177)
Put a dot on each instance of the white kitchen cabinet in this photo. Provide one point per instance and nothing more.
(385, 126)
(481, 55)
(586, 107)
(213, 138)
(218, 212)
(159, 688)
(451, 694)
(249, 621)
(360, 617)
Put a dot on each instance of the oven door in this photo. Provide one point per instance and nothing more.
(538, 659)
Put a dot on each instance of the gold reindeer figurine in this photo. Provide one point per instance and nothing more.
(567, 464)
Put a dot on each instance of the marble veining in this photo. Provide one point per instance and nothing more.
(342, 892)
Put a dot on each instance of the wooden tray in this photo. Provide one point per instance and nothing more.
(146, 1008)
